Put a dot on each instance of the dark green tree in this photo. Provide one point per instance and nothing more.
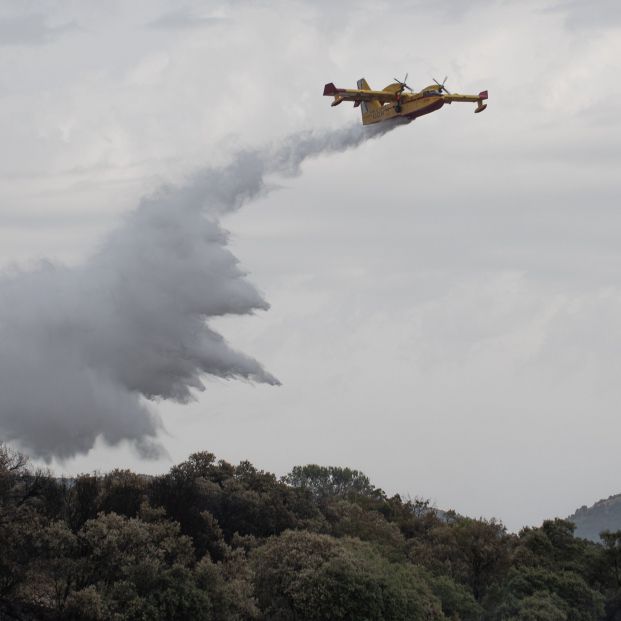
(612, 554)
(324, 481)
(303, 576)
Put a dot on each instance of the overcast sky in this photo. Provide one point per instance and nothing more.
(445, 300)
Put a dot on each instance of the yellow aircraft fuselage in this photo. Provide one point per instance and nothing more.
(408, 109)
(392, 102)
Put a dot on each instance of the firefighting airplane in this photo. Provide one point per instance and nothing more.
(393, 102)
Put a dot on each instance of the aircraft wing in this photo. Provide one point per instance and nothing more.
(478, 99)
(456, 97)
(356, 95)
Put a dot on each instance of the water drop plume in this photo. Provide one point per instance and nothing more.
(86, 350)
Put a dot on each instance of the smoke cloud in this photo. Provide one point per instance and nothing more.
(85, 350)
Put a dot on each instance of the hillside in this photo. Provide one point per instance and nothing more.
(603, 515)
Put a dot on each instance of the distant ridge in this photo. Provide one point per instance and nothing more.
(603, 515)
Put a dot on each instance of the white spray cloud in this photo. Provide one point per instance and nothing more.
(85, 348)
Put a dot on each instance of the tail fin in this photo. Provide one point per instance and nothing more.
(367, 106)
(481, 106)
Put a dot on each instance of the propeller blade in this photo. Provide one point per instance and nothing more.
(403, 83)
(442, 87)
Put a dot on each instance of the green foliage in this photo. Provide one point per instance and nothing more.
(230, 586)
(302, 575)
(554, 545)
(324, 481)
(87, 604)
(565, 590)
(20, 517)
(214, 501)
(215, 542)
(349, 519)
(457, 600)
(82, 500)
(474, 553)
(541, 606)
(613, 606)
(612, 554)
(122, 492)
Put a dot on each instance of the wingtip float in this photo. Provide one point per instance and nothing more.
(393, 101)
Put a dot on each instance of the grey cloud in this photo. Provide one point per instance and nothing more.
(31, 29)
(447, 10)
(581, 14)
(183, 18)
(84, 348)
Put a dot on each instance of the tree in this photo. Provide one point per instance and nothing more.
(82, 500)
(122, 492)
(349, 519)
(541, 606)
(612, 553)
(472, 552)
(216, 542)
(142, 569)
(457, 601)
(229, 584)
(302, 576)
(527, 588)
(325, 481)
(60, 567)
(201, 494)
(21, 500)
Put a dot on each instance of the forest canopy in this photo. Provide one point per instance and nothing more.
(220, 542)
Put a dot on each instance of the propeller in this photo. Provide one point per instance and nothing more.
(403, 84)
(442, 87)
